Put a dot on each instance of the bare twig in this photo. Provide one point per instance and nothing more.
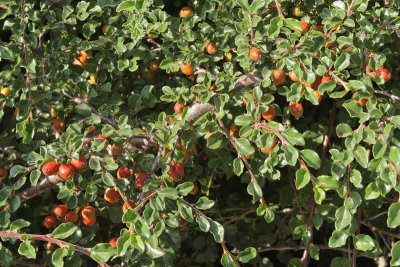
(393, 97)
(306, 253)
(278, 7)
(327, 136)
(239, 217)
(45, 184)
(251, 31)
(343, 83)
(374, 228)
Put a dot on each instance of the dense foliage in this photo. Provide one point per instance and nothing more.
(199, 133)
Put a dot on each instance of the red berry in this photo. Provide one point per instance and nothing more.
(176, 172)
(384, 73)
(111, 195)
(185, 12)
(278, 76)
(270, 114)
(79, 163)
(140, 179)
(124, 172)
(255, 53)
(58, 125)
(296, 109)
(60, 210)
(113, 242)
(88, 213)
(211, 48)
(325, 79)
(186, 69)
(49, 222)
(132, 205)
(50, 168)
(66, 171)
(3, 173)
(71, 216)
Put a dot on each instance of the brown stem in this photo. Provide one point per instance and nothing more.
(306, 253)
(393, 97)
(327, 136)
(58, 242)
(343, 83)
(251, 31)
(278, 7)
(45, 184)
(374, 228)
(78, 100)
(240, 217)
(196, 210)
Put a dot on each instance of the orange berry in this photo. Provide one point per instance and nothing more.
(278, 76)
(293, 76)
(361, 102)
(111, 195)
(113, 242)
(66, 171)
(186, 69)
(49, 221)
(384, 73)
(50, 168)
(71, 216)
(211, 48)
(270, 114)
(255, 53)
(89, 222)
(325, 79)
(296, 109)
(88, 213)
(232, 129)
(185, 12)
(179, 107)
(79, 163)
(116, 150)
(304, 27)
(48, 246)
(132, 205)
(58, 125)
(60, 210)
(176, 172)
(124, 172)
(154, 66)
(269, 149)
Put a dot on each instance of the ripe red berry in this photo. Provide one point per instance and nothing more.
(89, 222)
(179, 107)
(71, 216)
(384, 73)
(66, 171)
(88, 213)
(255, 53)
(140, 179)
(79, 163)
(49, 221)
(50, 168)
(60, 210)
(3, 173)
(113, 242)
(325, 79)
(176, 172)
(132, 205)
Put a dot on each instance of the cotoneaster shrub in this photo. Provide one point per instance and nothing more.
(199, 133)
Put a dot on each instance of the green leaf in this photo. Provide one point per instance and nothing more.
(58, 257)
(238, 166)
(227, 261)
(127, 5)
(102, 252)
(34, 176)
(372, 191)
(26, 249)
(247, 255)
(342, 62)
(343, 218)
(338, 239)
(204, 203)
(107, 178)
(154, 252)
(393, 219)
(137, 242)
(83, 109)
(215, 141)
(293, 24)
(123, 243)
(379, 149)
(244, 146)
(217, 231)
(361, 155)
(255, 190)
(19, 224)
(6, 53)
(293, 137)
(311, 158)
(363, 242)
(64, 230)
(204, 224)
(168, 192)
(319, 195)
(17, 169)
(5, 192)
(395, 253)
(243, 120)
(355, 85)
(343, 130)
(185, 188)
(110, 164)
(6, 257)
(94, 164)
(302, 178)
(291, 154)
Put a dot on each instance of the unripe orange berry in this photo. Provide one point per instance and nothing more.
(293, 76)
(278, 76)
(304, 27)
(179, 107)
(361, 102)
(270, 114)
(185, 12)
(255, 53)
(232, 129)
(211, 48)
(88, 213)
(296, 109)
(89, 222)
(113, 242)
(186, 69)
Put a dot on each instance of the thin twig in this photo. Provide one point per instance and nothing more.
(306, 253)
(278, 7)
(58, 242)
(393, 97)
(251, 31)
(343, 83)
(327, 136)
(374, 228)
